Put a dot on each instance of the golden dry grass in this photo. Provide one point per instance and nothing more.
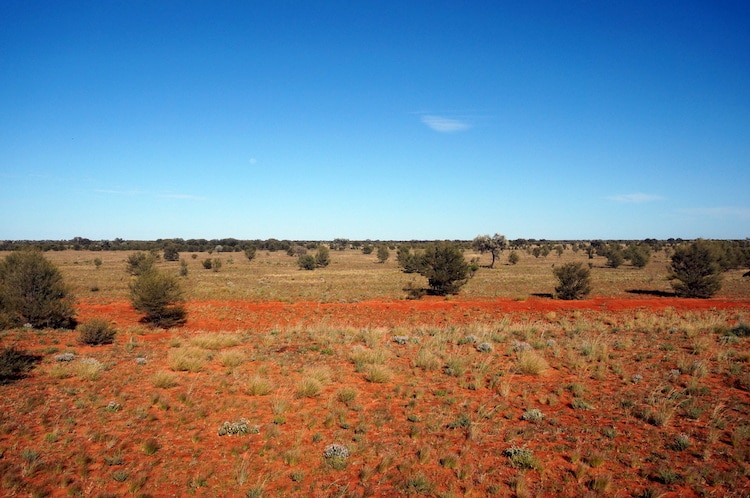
(354, 276)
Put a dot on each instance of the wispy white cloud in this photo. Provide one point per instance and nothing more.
(443, 124)
(162, 195)
(635, 198)
(119, 191)
(718, 212)
(188, 197)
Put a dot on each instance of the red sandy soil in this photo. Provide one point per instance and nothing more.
(262, 316)
(398, 428)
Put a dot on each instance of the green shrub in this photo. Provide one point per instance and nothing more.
(322, 257)
(171, 252)
(96, 332)
(139, 263)
(383, 253)
(208, 263)
(615, 256)
(638, 255)
(159, 297)
(32, 292)
(513, 258)
(306, 262)
(444, 266)
(407, 260)
(696, 268)
(574, 281)
(250, 252)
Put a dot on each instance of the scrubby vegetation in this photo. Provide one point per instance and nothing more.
(158, 295)
(96, 331)
(285, 382)
(696, 268)
(574, 281)
(32, 293)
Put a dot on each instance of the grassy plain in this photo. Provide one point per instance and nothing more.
(327, 383)
(353, 276)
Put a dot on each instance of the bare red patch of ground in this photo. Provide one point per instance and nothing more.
(234, 315)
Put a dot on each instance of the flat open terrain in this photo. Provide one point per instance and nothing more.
(497, 391)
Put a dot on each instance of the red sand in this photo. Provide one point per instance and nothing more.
(233, 315)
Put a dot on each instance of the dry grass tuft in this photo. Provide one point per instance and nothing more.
(231, 359)
(259, 386)
(164, 380)
(187, 359)
(531, 363)
(216, 341)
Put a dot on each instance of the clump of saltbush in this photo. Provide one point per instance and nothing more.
(240, 427)
(484, 347)
(521, 458)
(533, 415)
(336, 455)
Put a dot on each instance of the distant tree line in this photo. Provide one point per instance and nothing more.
(730, 254)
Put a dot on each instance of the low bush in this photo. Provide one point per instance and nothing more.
(159, 296)
(306, 262)
(139, 263)
(696, 269)
(96, 332)
(14, 364)
(574, 281)
(32, 291)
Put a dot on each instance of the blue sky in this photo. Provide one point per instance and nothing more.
(384, 120)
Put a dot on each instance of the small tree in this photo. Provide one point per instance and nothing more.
(383, 253)
(493, 245)
(574, 281)
(697, 270)
(171, 253)
(159, 297)
(322, 257)
(445, 268)
(32, 291)
(407, 260)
